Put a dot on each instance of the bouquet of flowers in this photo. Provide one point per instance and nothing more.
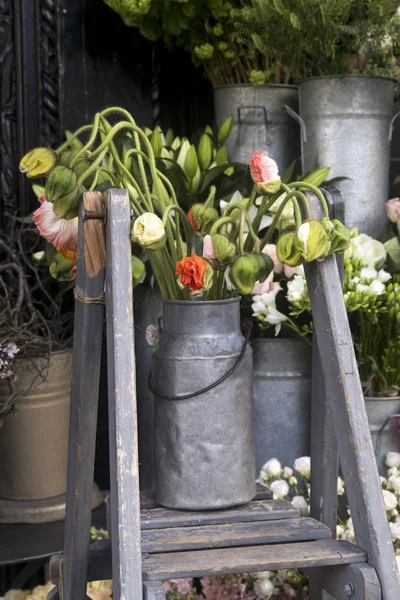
(226, 261)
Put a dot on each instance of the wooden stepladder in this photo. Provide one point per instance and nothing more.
(149, 544)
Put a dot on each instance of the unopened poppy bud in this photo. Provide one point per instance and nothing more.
(286, 250)
(148, 231)
(62, 268)
(223, 249)
(340, 239)
(265, 265)
(225, 129)
(311, 240)
(191, 163)
(81, 165)
(63, 192)
(205, 152)
(138, 270)
(244, 272)
(202, 218)
(38, 162)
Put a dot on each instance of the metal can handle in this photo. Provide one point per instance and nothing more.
(297, 118)
(391, 126)
(382, 429)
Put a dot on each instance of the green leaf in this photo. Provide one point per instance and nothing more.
(287, 176)
(393, 255)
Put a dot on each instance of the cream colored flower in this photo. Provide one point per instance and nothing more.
(390, 500)
(148, 231)
(272, 468)
(300, 503)
(303, 466)
(279, 489)
(393, 459)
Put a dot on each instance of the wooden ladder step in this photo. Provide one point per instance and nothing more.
(319, 553)
(258, 510)
(233, 534)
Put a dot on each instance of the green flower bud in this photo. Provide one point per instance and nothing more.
(311, 240)
(138, 270)
(161, 193)
(169, 137)
(225, 129)
(224, 250)
(205, 152)
(286, 250)
(265, 266)
(340, 239)
(204, 52)
(191, 163)
(209, 131)
(194, 184)
(61, 268)
(247, 269)
(79, 167)
(185, 145)
(156, 142)
(202, 218)
(38, 162)
(222, 156)
(63, 192)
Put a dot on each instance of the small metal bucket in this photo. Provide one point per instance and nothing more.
(282, 400)
(260, 121)
(383, 415)
(204, 445)
(347, 124)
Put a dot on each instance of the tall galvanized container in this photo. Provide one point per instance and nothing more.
(347, 125)
(282, 399)
(204, 445)
(383, 417)
(260, 121)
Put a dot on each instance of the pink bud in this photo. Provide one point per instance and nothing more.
(393, 210)
(265, 286)
(270, 249)
(263, 168)
(208, 249)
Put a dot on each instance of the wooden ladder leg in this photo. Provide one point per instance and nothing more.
(356, 582)
(88, 332)
(153, 590)
(124, 470)
(347, 406)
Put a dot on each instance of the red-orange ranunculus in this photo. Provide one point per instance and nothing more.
(195, 272)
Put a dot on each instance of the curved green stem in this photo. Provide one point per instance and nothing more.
(303, 198)
(185, 223)
(77, 133)
(92, 167)
(274, 223)
(220, 222)
(252, 234)
(241, 231)
(93, 135)
(316, 191)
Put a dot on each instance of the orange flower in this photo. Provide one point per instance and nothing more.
(70, 254)
(192, 221)
(195, 272)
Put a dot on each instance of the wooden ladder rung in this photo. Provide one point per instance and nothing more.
(250, 559)
(259, 510)
(233, 534)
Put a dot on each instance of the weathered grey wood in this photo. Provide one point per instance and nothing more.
(232, 534)
(261, 510)
(124, 476)
(88, 331)
(153, 590)
(350, 422)
(251, 559)
(357, 581)
(147, 499)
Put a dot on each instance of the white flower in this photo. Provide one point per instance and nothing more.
(361, 287)
(288, 212)
(395, 530)
(264, 588)
(369, 251)
(390, 500)
(349, 535)
(296, 289)
(393, 459)
(339, 531)
(279, 489)
(384, 276)
(287, 472)
(148, 231)
(272, 467)
(274, 317)
(300, 503)
(377, 287)
(394, 483)
(393, 471)
(368, 273)
(303, 466)
(340, 486)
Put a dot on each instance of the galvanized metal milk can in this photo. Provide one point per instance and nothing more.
(282, 399)
(383, 417)
(260, 121)
(347, 125)
(204, 445)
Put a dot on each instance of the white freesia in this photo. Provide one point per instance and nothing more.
(389, 499)
(296, 289)
(300, 503)
(303, 466)
(393, 471)
(384, 276)
(340, 486)
(148, 231)
(394, 483)
(264, 588)
(362, 287)
(392, 459)
(274, 317)
(368, 273)
(371, 252)
(272, 468)
(287, 472)
(279, 489)
(395, 530)
(377, 287)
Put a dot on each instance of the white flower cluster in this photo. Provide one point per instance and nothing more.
(297, 289)
(264, 308)
(371, 252)
(283, 584)
(7, 353)
(370, 280)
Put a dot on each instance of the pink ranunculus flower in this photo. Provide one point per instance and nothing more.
(264, 172)
(62, 233)
(208, 249)
(393, 210)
